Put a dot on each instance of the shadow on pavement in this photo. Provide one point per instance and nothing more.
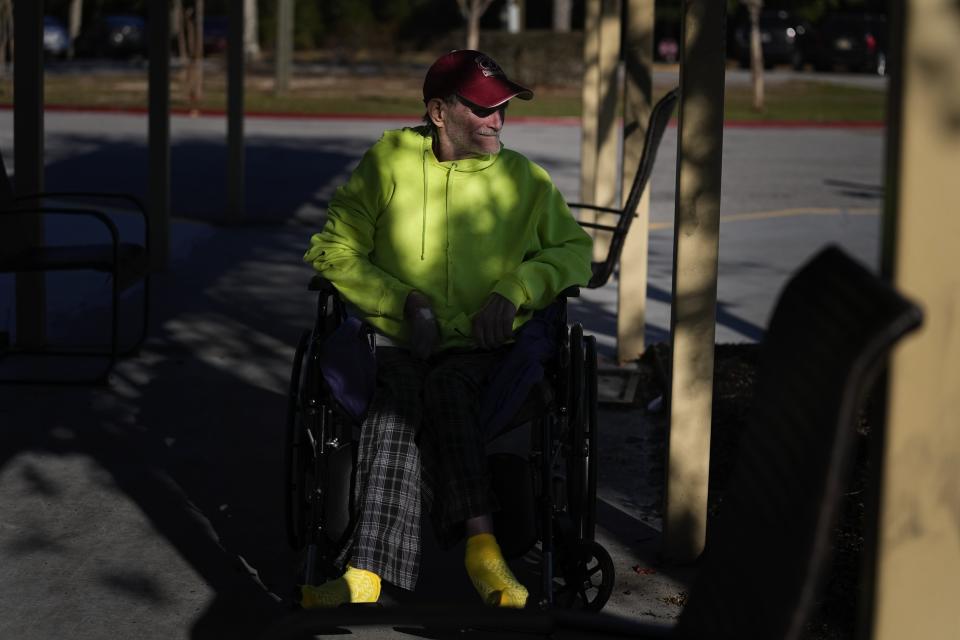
(284, 175)
(156, 505)
(190, 432)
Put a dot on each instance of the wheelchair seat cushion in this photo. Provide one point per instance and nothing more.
(349, 367)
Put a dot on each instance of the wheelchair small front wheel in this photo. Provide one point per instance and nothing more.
(586, 577)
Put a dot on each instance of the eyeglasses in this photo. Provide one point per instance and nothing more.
(482, 112)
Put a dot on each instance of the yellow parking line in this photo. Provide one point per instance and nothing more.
(783, 213)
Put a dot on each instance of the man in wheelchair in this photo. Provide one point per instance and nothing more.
(446, 243)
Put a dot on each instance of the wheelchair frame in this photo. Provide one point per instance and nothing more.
(576, 571)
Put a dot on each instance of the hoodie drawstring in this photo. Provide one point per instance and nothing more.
(423, 212)
(446, 225)
(446, 213)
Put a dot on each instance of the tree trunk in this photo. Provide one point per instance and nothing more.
(196, 91)
(473, 30)
(283, 49)
(75, 22)
(192, 40)
(756, 56)
(178, 24)
(516, 16)
(6, 33)
(472, 10)
(251, 39)
(562, 11)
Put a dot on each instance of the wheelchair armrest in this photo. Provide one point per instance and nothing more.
(321, 284)
(569, 292)
(594, 207)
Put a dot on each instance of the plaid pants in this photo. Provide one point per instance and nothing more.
(420, 444)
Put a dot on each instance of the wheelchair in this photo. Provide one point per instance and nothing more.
(553, 512)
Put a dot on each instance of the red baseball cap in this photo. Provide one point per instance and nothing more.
(473, 76)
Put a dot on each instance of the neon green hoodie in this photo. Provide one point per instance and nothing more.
(455, 231)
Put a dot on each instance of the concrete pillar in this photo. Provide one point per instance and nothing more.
(30, 288)
(590, 98)
(283, 55)
(637, 103)
(606, 183)
(693, 313)
(598, 142)
(158, 134)
(914, 565)
(235, 146)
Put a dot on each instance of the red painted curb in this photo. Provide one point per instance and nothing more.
(572, 121)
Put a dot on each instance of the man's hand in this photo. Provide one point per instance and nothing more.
(493, 324)
(424, 333)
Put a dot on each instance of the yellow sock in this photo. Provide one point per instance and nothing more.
(490, 574)
(355, 585)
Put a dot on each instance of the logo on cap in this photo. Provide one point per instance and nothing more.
(488, 67)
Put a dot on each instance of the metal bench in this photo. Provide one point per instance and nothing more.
(127, 263)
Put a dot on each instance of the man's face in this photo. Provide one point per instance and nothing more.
(469, 130)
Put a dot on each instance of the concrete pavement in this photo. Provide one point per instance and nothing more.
(153, 508)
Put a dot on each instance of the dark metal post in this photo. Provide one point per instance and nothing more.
(28, 163)
(159, 133)
(235, 147)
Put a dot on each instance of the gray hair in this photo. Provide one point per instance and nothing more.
(447, 100)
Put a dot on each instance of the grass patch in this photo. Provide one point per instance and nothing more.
(804, 100)
(341, 93)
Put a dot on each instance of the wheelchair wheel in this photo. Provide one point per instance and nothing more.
(298, 455)
(586, 577)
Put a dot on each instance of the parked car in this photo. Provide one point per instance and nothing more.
(853, 41)
(56, 38)
(113, 36)
(779, 31)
